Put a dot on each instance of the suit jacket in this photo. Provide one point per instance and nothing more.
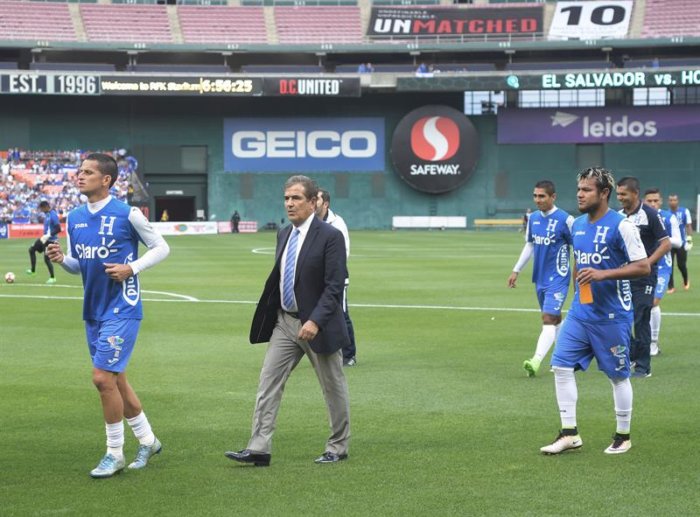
(318, 286)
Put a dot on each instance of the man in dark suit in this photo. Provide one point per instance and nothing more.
(300, 312)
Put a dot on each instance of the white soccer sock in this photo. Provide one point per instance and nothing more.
(142, 429)
(545, 341)
(556, 333)
(655, 322)
(567, 395)
(622, 395)
(115, 439)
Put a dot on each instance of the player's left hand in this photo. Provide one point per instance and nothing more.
(688, 243)
(118, 272)
(589, 274)
(308, 331)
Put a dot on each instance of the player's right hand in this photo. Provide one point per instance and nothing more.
(512, 279)
(53, 251)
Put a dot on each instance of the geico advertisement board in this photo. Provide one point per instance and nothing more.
(303, 144)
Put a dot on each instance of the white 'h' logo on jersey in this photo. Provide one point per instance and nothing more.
(104, 225)
(552, 225)
(602, 232)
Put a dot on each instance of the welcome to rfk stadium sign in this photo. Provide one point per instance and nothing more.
(435, 21)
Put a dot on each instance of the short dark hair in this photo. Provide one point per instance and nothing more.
(44, 204)
(547, 185)
(325, 195)
(106, 165)
(602, 176)
(310, 187)
(652, 190)
(630, 183)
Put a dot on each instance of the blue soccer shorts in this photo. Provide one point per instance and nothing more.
(552, 297)
(662, 283)
(111, 342)
(579, 342)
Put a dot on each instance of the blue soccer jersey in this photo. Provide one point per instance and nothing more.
(550, 235)
(52, 226)
(106, 236)
(671, 225)
(683, 216)
(609, 243)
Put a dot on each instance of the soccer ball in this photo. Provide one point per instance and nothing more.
(10, 277)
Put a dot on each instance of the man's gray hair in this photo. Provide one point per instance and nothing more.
(310, 187)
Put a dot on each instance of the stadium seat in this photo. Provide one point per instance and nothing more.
(36, 21)
(666, 18)
(220, 24)
(318, 24)
(127, 23)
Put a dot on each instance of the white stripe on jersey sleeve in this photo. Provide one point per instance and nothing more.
(158, 249)
(676, 239)
(633, 242)
(525, 256)
(69, 263)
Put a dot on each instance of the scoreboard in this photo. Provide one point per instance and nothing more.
(21, 83)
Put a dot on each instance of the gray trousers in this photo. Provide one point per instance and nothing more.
(283, 354)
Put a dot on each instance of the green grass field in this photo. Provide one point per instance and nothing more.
(444, 420)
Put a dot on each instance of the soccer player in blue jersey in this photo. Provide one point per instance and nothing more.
(656, 244)
(680, 255)
(547, 238)
(607, 253)
(103, 238)
(52, 227)
(652, 197)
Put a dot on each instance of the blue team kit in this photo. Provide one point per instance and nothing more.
(550, 270)
(601, 329)
(107, 236)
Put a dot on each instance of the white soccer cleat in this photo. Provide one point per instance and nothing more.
(144, 454)
(621, 444)
(562, 443)
(108, 466)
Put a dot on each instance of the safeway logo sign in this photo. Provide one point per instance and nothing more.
(307, 144)
(435, 149)
(435, 138)
(600, 125)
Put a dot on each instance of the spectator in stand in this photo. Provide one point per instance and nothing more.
(365, 68)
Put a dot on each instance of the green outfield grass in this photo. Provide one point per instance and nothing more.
(444, 420)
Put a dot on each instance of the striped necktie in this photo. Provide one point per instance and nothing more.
(289, 268)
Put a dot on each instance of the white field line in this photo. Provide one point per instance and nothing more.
(180, 298)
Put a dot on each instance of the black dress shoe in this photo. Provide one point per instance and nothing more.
(247, 456)
(330, 457)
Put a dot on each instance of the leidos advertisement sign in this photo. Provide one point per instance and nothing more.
(435, 149)
(599, 125)
(303, 144)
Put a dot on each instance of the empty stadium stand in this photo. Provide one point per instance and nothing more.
(665, 18)
(219, 24)
(36, 21)
(74, 67)
(318, 24)
(177, 68)
(126, 23)
(282, 69)
(560, 65)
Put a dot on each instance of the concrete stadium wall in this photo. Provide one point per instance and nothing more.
(501, 186)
